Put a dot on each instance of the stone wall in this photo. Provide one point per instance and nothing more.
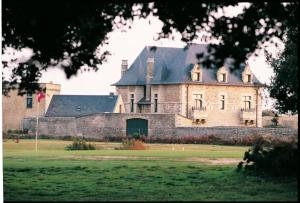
(114, 124)
(234, 131)
(100, 125)
(285, 121)
(14, 107)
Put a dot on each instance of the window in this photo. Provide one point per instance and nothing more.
(144, 91)
(155, 102)
(249, 78)
(222, 102)
(29, 101)
(223, 77)
(131, 103)
(247, 102)
(198, 101)
(198, 76)
(120, 108)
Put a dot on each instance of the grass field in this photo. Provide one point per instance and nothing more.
(163, 172)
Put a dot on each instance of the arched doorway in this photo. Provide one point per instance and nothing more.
(136, 126)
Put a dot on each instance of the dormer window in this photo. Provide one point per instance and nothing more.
(247, 75)
(248, 78)
(222, 74)
(196, 73)
(223, 78)
(198, 76)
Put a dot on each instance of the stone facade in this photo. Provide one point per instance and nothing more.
(101, 125)
(15, 107)
(181, 99)
(171, 80)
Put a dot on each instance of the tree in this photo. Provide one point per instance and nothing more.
(71, 32)
(284, 84)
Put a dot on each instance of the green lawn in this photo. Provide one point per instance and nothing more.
(163, 172)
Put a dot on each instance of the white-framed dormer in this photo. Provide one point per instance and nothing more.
(222, 75)
(196, 73)
(247, 75)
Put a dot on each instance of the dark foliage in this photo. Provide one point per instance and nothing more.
(279, 159)
(72, 30)
(284, 85)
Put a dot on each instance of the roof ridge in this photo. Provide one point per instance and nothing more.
(175, 47)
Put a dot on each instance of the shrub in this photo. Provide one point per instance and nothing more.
(132, 144)
(280, 159)
(80, 144)
(275, 120)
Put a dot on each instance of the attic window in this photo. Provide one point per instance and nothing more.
(196, 73)
(249, 78)
(223, 77)
(198, 76)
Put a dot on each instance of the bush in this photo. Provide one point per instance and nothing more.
(275, 120)
(80, 144)
(279, 159)
(132, 144)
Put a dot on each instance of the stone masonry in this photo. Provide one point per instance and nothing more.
(114, 124)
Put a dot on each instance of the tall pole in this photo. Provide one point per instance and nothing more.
(37, 125)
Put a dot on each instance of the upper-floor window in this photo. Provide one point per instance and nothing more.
(120, 108)
(29, 101)
(145, 89)
(249, 78)
(196, 73)
(198, 101)
(247, 75)
(155, 103)
(131, 103)
(247, 102)
(222, 100)
(223, 77)
(198, 76)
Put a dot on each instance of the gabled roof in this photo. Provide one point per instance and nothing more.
(173, 66)
(79, 105)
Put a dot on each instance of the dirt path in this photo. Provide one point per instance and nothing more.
(211, 161)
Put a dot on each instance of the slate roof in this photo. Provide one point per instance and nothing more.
(173, 66)
(79, 105)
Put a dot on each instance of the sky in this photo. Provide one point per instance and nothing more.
(127, 45)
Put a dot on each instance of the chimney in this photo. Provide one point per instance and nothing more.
(111, 94)
(149, 77)
(124, 67)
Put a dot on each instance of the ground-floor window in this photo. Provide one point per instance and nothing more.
(29, 101)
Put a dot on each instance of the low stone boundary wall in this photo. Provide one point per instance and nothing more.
(114, 125)
(234, 132)
(285, 121)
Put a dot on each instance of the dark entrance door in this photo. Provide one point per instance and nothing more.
(136, 126)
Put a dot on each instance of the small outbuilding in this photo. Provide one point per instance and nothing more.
(80, 105)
